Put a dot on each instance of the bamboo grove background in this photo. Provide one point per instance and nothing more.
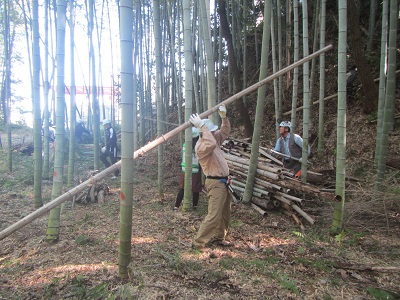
(172, 58)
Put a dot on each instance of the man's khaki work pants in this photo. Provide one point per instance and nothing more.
(216, 224)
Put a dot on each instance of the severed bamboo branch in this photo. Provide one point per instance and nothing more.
(158, 141)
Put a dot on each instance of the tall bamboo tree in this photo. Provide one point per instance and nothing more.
(37, 194)
(211, 89)
(321, 81)
(295, 58)
(71, 158)
(7, 80)
(188, 55)
(261, 93)
(382, 79)
(158, 94)
(46, 89)
(306, 92)
(278, 113)
(53, 226)
(371, 24)
(341, 118)
(126, 196)
(388, 112)
(95, 100)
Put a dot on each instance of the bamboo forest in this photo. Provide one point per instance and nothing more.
(211, 149)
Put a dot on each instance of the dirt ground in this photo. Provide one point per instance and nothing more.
(272, 258)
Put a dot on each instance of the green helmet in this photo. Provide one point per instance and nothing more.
(195, 132)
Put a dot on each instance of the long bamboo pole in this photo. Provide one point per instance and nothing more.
(76, 190)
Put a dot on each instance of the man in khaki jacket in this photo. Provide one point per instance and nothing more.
(215, 226)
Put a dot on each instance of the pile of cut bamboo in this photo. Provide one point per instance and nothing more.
(274, 185)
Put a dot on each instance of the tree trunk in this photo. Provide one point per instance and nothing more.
(53, 225)
(211, 89)
(321, 81)
(369, 91)
(341, 119)
(306, 93)
(71, 158)
(295, 59)
(248, 192)
(46, 89)
(388, 112)
(234, 67)
(188, 56)
(36, 108)
(158, 94)
(382, 79)
(127, 172)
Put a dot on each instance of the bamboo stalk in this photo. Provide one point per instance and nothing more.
(241, 189)
(261, 172)
(256, 189)
(258, 209)
(303, 214)
(289, 197)
(263, 203)
(247, 162)
(158, 141)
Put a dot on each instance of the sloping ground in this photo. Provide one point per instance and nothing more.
(271, 257)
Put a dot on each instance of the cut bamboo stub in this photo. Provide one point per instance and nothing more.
(158, 141)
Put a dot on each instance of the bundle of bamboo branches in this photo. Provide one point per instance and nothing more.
(274, 185)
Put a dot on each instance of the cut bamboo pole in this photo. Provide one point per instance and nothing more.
(240, 189)
(266, 204)
(158, 141)
(303, 214)
(261, 172)
(256, 189)
(258, 209)
(260, 166)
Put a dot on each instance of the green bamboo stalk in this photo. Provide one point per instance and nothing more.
(321, 82)
(53, 225)
(188, 55)
(127, 167)
(248, 193)
(46, 89)
(337, 222)
(382, 80)
(306, 93)
(71, 153)
(211, 88)
(388, 113)
(37, 190)
(158, 94)
(295, 59)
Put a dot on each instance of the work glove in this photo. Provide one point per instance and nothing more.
(103, 150)
(196, 121)
(222, 111)
(300, 160)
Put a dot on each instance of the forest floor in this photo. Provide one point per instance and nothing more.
(272, 258)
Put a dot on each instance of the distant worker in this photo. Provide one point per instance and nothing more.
(351, 77)
(291, 145)
(80, 130)
(110, 149)
(52, 132)
(214, 228)
(196, 174)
